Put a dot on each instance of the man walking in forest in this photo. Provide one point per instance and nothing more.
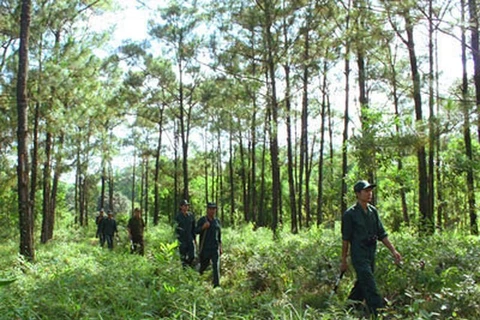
(361, 228)
(135, 228)
(210, 242)
(185, 230)
(109, 228)
(98, 222)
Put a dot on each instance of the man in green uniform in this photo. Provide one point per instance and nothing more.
(210, 242)
(109, 228)
(135, 228)
(98, 222)
(185, 230)
(361, 228)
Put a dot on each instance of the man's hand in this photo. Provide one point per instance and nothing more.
(397, 257)
(395, 254)
(345, 248)
(206, 225)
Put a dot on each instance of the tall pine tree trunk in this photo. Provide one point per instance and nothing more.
(467, 135)
(134, 177)
(46, 188)
(57, 171)
(304, 134)
(176, 170)
(474, 32)
(295, 214)
(103, 183)
(323, 115)
(183, 130)
(110, 186)
(431, 118)
(156, 182)
(244, 178)
(252, 179)
(34, 163)
(262, 219)
(273, 123)
(346, 120)
(25, 211)
(36, 120)
(253, 165)
(427, 223)
(367, 154)
(396, 103)
(231, 169)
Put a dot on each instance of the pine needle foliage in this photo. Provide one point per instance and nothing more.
(291, 277)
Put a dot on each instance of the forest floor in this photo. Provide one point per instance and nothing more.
(291, 277)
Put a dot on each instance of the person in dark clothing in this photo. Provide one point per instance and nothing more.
(361, 228)
(185, 231)
(210, 232)
(109, 228)
(98, 222)
(135, 228)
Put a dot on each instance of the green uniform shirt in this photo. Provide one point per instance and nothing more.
(360, 228)
(210, 238)
(109, 226)
(136, 226)
(185, 228)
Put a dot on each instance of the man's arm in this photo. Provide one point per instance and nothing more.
(200, 224)
(129, 229)
(220, 239)
(194, 234)
(392, 249)
(179, 231)
(345, 248)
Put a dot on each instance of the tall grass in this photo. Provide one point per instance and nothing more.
(291, 277)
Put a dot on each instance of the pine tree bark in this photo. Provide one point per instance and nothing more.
(396, 103)
(46, 188)
(474, 34)
(346, 119)
(303, 168)
(156, 182)
(244, 178)
(231, 183)
(323, 115)
(111, 185)
(367, 155)
(431, 119)
(467, 134)
(57, 171)
(183, 129)
(34, 162)
(295, 214)
(253, 164)
(273, 120)
(26, 221)
(262, 219)
(427, 223)
(103, 183)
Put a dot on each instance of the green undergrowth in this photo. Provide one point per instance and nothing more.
(291, 277)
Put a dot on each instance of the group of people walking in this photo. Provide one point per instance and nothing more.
(362, 228)
(187, 228)
(210, 241)
(107, 228)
